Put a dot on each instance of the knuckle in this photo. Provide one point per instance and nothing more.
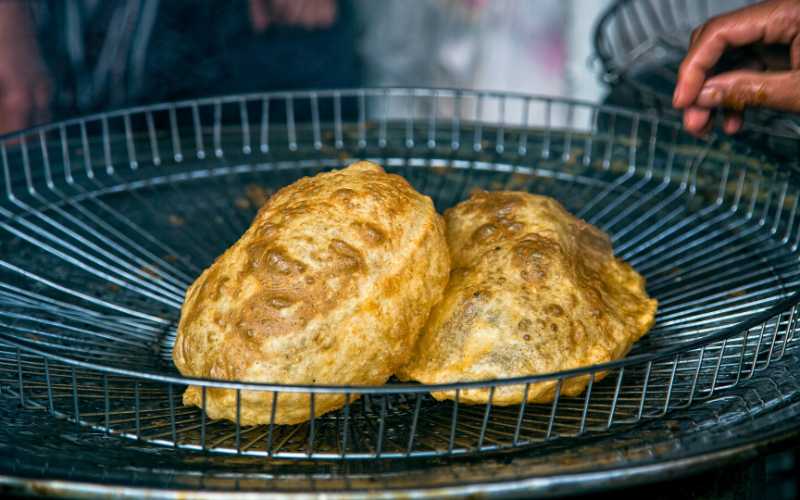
(683, 68)
(713, 24)
(741, 94)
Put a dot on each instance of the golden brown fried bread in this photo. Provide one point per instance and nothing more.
(330, 285)
(533, 290)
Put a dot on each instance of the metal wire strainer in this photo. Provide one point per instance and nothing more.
(106, 220)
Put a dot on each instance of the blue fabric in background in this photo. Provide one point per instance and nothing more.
(208, 48)
(201, 48)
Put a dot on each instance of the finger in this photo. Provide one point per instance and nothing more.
(704, 54)
(15, 111)
(708, 126)
(295, 11)
(332, 12)
(695, 34)
(323, 13)
(259, 15)
(306, 13)
(742, 88)
(732, 121)
(282, 11)
(11, 122)
(696, 119)
(761, 22)
(794, 53)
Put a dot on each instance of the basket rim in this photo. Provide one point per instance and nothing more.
(345, 92)
(777, 309)
(791, 299)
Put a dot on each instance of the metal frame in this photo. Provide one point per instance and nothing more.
(639, 45)
(631, 31)
(89, 301)
(733, 426)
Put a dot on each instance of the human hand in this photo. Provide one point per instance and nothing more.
(25, 87)
(310, 14)
(759, 84)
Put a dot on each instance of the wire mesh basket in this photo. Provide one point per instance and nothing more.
(106, 220)
(640, 45)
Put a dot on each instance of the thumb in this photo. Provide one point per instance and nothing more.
(739, 89)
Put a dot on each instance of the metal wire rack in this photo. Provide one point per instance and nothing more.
(640, 45)
(61, 458)
(106, 220)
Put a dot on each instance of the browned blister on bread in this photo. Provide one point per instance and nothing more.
(533, 290)
(330, 285)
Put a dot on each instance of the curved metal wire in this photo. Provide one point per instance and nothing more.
(413, 388)
(640, 43)
(97, 253)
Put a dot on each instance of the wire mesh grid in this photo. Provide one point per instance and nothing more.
(59, 453)
(640, 45)
(106, 221)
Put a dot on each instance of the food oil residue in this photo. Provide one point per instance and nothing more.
(150, 271)
(254, 196)
(176, 220)
(738, 99)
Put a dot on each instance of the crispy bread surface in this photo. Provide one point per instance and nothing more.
(533, 290)
(330, 285)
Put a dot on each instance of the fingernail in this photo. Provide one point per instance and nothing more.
(676, 96)
(709, 96)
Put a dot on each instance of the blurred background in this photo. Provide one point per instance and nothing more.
(61, 59)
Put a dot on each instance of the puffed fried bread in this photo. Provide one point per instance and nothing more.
(533, 290)
(330, 285)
